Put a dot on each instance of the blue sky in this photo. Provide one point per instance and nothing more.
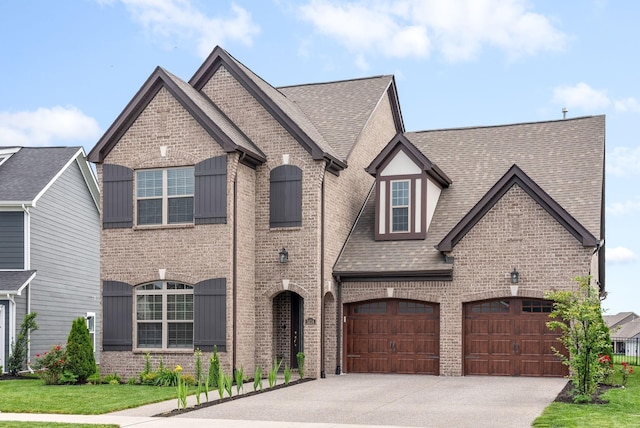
(69, 68)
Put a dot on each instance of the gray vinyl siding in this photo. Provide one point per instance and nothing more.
(11, 240)
(65, 252)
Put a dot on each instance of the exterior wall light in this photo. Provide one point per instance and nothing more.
(515, 276)
(284, 255)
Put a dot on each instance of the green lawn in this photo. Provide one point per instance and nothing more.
(31, 396)
(623, 410)
(28, 424)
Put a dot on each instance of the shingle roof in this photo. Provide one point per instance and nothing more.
(339, 110)
(26, 173)
(12, 282)
(614, 320)
(628, 330)
(565, 158)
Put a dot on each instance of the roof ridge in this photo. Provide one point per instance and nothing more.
(461, 128)
(355, 79)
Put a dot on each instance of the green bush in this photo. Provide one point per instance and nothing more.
(18, 356)
(214, 369)
(51, 365)
(112, 377)
(80, 359)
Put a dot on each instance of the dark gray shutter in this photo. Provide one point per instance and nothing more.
(117, 191)
(211, 191)
(285, 196)
(12, 240)
(117, 307)
(210, 314)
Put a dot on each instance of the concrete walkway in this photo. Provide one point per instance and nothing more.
(353, 401)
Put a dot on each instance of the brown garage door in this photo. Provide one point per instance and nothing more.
(392, 336)
(509, 337)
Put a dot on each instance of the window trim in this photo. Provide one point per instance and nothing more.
(163, 292)
(384, 209)
(164, 198)
(92, 331)
(408, 206)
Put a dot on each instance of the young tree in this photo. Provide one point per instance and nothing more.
(18, 356)
(80, 359)
(579, 317)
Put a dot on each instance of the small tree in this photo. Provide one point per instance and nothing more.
(584, 334)
(19, 348)
(80, 359)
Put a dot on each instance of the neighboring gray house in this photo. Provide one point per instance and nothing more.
(49, 244)
(625, 332)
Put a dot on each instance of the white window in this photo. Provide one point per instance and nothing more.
(164, 315)
(165, 196)
(400, 206)
(91, 326)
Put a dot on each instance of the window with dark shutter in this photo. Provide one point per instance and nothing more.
(285, 197)
(12, 240)
(210, 315)
(117, 190)
(211, 191)
(117, 306)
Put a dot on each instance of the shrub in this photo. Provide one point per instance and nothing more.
(202, 382)
(287, 374)
(18, 356)
(51, 365)
(238, 374)
(257, 379)
(112, 377)
(167, 377)
(273, 373)
(625, 370)
(80, 359)
(584, 334)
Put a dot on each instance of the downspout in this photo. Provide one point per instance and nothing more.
(235, 267)
(338, 325)
(27, 266)
(322, 195)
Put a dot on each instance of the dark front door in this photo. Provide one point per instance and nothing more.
(297, 314)
(509, 337)
(393, 336)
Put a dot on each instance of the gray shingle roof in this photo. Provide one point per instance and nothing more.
(620, 317)
(12, 281)
(339, 110)
(565, 158)
(628, 330)
(26, 173)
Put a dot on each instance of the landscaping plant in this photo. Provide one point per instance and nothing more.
(80, 359)
(220, 381)
(51, 365)
(18, 356)
(585, 335)
(257, 378)
(273, 373)
(182, 388)
(214, 368)
(625, 371)
(239, 379)
(287, 374)
(300, 358)
(202, 382)
(228, 384)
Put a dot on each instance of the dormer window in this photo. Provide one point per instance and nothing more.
(408, 187)
(400, 206)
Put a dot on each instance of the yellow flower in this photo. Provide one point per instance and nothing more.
(178, 368)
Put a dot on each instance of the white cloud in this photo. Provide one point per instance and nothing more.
(622, 208)
(620, 255)
(627, 104)
(414, 28)
(47, 126)
(623, 161)
(180, 19)
(581, 96)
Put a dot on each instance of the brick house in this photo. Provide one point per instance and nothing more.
(247, 217)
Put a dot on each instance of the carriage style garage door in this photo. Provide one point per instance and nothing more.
(509, 337)
(392, 336)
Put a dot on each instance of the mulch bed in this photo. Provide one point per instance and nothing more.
(565, 395)
(202, 405)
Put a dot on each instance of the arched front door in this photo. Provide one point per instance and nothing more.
(288, 315)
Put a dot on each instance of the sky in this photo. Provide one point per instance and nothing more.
(68, 68)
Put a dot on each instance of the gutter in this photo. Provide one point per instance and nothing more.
(322, 249)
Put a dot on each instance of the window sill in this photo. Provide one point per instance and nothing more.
(165, 226)
(284, 229)
(163, 351)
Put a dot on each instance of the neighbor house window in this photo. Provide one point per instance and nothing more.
(165, 196)
(164, 315)
(400, 206)
(91, 326)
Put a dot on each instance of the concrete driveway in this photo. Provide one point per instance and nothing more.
(397, 400)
